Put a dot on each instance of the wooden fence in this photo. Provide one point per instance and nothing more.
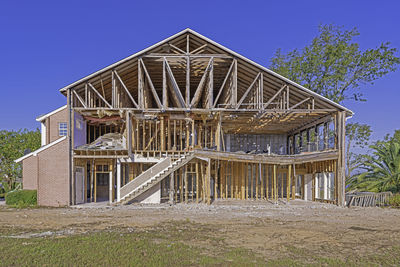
(368, 199)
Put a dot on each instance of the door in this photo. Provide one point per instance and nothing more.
(79, 185)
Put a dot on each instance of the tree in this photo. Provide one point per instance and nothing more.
(382, 168)
(357, 136)
(333, 64)
(12, 146)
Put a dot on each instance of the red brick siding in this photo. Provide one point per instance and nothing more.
(53, 188)
(30, 173)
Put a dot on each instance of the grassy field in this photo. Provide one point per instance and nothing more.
(169, 244)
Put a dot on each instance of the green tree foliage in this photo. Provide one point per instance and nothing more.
(381, 170)
(357, 136)
(12, 146)
(333, 64)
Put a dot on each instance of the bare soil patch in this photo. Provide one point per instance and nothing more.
(298, 230)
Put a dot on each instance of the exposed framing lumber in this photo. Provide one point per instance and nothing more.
(198, 49)
(153, 90)
(99, 95)
(79, 98)
(248, 90)
(275, 95)
(177, 93)
(197, 94)
(126, 89)
(224, 82)
(301, 102)
(176, 48)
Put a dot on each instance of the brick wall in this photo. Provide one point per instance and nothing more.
(30, 173)
(53, 187)
(52, 124)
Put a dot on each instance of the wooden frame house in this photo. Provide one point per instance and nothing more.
(188, 120)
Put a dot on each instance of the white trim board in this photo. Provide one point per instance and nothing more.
(34, 153)
(42, 117)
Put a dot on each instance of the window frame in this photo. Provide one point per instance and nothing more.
(62, 128)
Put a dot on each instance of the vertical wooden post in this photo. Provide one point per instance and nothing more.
(193, 135)
(186, 186)
(181, 184)
(168, 134)
(208, 179)
(341, 120)
(164, 88)
(171, 188)
(266, 181)
(118, 180)
(176, 186)
(197, 182)
(111, 185)
(275, 185)
(252, 181)
(293, 178)
(187, 94)
(95, 181)
(225, 178)
(288, 179)
(261, 167)
(162, 134)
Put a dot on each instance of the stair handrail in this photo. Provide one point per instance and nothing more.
(144, 177)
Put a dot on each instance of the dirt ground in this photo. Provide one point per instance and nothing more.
(298, 228)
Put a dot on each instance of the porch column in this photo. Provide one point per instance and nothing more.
(118, 180)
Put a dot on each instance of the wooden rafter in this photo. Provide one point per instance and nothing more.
(99, 95)
(126, 89)
(177, 48)
(223, 83)
(79, 98)
(199, 49)
(177, 93)
(301, 102)
(153, 90)
(275, 95)
(197, 94)
(248, 90)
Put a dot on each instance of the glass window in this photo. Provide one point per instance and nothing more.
(62, 129)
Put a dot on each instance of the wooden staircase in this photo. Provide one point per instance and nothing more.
(151, 177)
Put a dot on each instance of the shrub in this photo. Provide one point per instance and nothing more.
(394, 201)
(22, 198)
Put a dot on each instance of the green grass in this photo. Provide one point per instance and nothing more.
(21, 198)
(168, 244)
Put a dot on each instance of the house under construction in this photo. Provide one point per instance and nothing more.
(188, 120)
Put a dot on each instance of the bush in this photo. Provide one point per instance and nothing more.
(394, 201)
(22, 198)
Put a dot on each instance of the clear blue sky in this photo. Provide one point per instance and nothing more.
(45, 45)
